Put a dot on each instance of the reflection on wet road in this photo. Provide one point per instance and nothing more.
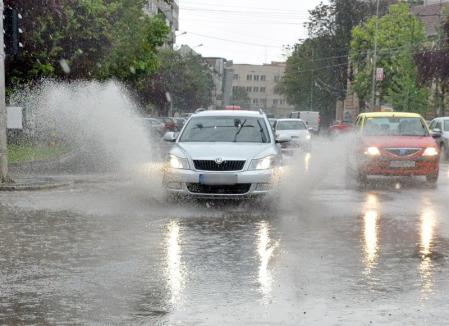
(110, 253)
(371, 232)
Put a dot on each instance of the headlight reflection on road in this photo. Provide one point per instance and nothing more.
(175, 275)
(371, 232)
(265, 249)
(307, 158)
(427, 228)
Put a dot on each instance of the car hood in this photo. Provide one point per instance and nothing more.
(399, 142)
(226, 151)
(292, 133)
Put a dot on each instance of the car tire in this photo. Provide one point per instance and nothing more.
(444, 153)
(432, 179)
(362, 180)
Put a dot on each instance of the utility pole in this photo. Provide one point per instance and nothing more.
(373, 90)
(3, 113)
(312, 80)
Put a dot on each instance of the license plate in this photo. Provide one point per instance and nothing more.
(218, 179)
(402, 164)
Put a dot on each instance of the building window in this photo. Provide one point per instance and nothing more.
(249, 77)
(249, 89)
(263, 89)
(235, 88)
(236, 77)
(263, 77)
(282, 102)
(256, 77)
(275, 102)
(256, 89)
(263, 101)
(255, 101)
(277, 78)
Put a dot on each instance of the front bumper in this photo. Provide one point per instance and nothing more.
(249, 183)
(382, 167)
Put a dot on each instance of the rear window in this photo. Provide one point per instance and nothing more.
(291, 125)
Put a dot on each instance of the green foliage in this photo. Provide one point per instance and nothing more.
(185, 76)
(317, 70)
(241, 98)
(399, 35)
(94, 39)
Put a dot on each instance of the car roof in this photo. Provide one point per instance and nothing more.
(290, 119)
(220, 113)
(390, 115)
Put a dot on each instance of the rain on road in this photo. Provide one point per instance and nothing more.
(103, 251)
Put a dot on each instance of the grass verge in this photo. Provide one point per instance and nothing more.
(25, 153)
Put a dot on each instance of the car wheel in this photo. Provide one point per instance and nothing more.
(432, 179)
(444, 153)
(362, 180)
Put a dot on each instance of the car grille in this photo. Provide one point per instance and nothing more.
(209, 165)
(237, 189)
(403, 151)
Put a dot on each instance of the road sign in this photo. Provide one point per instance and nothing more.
(380, 74)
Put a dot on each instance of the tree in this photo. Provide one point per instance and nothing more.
(399, 36)
(185, 76)
(241, 98)
(317, 70)
(95, 39)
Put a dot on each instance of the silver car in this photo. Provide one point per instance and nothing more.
(296, 131)
(441, 126)
(223, 154)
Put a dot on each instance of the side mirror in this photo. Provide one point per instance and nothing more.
(170, 137)
(282, 139)
(437, 133)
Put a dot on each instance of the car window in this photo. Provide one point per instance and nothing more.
(432, 124)
(438, 125)
(226, 129)
(395, 126)
(446, 125)
(291, 125)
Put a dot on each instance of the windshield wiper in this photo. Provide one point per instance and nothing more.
(240, 129)
(262, 133)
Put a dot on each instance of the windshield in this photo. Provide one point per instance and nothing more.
(395, 127)
(446, 125)
(291, 125)
(226, 129)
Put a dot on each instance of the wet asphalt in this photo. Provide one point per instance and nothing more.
(110, 250)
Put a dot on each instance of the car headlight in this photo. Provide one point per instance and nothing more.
(430, 151)
(372, 151)
(309, 137)
(178, 163)
(265, 163)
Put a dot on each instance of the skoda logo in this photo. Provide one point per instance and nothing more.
(219, 160)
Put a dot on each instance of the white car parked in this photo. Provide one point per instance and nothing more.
(441, 126)
(223, 154)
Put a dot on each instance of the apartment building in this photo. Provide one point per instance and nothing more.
(170, 12)
(261, 84)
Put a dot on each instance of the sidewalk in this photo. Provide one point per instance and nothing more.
(33, 183)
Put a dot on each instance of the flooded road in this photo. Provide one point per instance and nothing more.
(108, 252)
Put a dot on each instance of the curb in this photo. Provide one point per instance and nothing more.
(35, 184)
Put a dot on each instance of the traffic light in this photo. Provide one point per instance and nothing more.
(11, 24)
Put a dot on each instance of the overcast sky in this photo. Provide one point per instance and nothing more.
(246, 31)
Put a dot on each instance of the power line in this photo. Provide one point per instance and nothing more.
(237, 42)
